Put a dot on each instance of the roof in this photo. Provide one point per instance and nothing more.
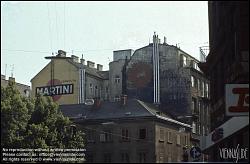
(90, 71)
(151, 44)
(114, 110)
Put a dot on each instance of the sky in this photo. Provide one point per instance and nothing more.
(32, 30)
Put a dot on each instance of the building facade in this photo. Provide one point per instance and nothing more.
(134, 132)
(22, 88)
(70, 81)
(227, 63)
(182, 88)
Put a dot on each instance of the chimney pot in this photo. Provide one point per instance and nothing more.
(83, 61)
(61, 53)
(75, 58)
(99, 67)
(12, 79)
(90, 64)
(165, 40)
(2, 77)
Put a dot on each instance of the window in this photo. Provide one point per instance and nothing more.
(184, 58)
(185, 141)
(125, 135)
(117, 98)
(161, 135)
(195, 65)
(96, 90)
(193, 105)
(192, 81)
(142, 134)
(203, 130)
(202, 88)
(125, 157)
(142, 157)
(193, 127)
(91, 88)
(117, 79)
(199, 110)
(198, 84)
(178, 139)
(106, 136)
(206, 90)
(169, 137)
(198, 128)
(90, 136)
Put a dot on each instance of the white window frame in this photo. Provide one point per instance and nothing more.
(178, 139)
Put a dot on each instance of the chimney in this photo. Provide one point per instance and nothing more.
(61, 53)
(2, 77)
(82, 61)
(90, 64)
(165, 40)
(124, 99)
(75, 58)
(12, 79)
(99, 67)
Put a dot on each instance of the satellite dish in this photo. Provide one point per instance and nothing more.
(89, 102)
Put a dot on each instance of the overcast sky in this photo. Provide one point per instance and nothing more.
(32, 30)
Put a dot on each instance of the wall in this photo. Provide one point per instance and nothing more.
(115, 87)
(116, 146)
(63, 71)
(23, 89)
(168, 150)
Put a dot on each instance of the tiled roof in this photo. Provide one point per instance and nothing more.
(114, 110)
(107, 110)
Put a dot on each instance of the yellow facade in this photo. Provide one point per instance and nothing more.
(66, 73)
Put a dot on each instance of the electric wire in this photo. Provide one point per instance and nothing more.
(50, 34)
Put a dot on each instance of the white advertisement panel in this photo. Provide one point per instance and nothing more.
(237, 99)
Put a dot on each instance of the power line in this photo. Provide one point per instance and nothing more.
(29, 51)
(56, 24)
(64, 23)
(50, 34)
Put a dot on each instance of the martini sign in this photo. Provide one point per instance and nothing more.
(56, 90)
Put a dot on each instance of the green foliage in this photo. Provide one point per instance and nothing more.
(35, 123)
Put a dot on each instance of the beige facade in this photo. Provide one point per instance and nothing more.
(73, 82)
(65, 72)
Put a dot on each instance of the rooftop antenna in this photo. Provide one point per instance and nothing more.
(12, 70)
(5, 69)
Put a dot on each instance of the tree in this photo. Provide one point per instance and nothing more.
(35, 123)
(14, 116)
